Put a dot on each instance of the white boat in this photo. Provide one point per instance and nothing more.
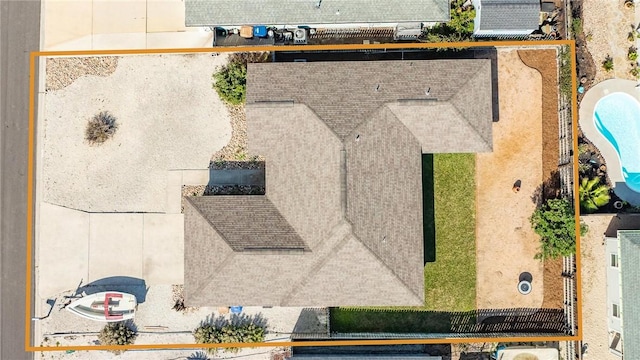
(105, 306)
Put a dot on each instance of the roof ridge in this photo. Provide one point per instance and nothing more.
(381, 108)
(214, 272)
(452, 101)
(320, 262)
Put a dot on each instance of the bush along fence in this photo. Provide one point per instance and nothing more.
(237, 329)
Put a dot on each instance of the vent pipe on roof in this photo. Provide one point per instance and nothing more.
(428, 92)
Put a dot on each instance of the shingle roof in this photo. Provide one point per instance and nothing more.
(343, 170)
(509, 14)
(630, 273)
(363, 357)
(301, 12)
(255, 224)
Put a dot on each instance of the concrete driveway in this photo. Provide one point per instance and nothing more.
(130, 24)
(79, 246)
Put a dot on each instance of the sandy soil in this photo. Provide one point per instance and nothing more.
(594, 289)
(505, 242)
(545, 61)
(606, 25)
(169, 117)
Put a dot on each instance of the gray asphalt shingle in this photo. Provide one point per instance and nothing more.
(306, 12)
(509, 14)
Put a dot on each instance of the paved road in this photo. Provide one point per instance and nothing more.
(19, 35)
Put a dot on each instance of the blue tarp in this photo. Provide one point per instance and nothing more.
(235, 309)
(260, 31)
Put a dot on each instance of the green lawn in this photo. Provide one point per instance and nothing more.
(450, 281)
(450, 271)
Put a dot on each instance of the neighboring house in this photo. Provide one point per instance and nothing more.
(623, 287)
(341, 221)
(314, 13)
(506, 18)
(364, 357)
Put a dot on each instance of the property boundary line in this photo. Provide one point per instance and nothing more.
(449, 339)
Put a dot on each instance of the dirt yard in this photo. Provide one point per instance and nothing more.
(506, 244)
(545, 61)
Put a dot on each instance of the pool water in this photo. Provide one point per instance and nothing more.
(617, 118)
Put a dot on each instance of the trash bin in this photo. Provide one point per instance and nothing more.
(260, 31)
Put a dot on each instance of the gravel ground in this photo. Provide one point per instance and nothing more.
(61, 72)
(235, 154)
(606, 24)
(158, 324)
(169, 117)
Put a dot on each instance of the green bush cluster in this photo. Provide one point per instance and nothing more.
(230, 81)
(555, 222)
(118, 333)
(226, 333)
(607, 64)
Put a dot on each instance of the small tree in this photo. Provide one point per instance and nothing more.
(100, 128)
(118, 333)
(593, 195)
(555, 222)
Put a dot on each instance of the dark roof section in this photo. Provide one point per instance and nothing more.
(630, 276)
(254, 223)
(306, 12)
(509, 14)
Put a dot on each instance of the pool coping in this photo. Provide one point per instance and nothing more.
(608, 152)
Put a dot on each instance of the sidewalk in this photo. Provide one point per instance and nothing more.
(130, 24)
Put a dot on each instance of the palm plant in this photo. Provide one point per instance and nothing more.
(593, 195)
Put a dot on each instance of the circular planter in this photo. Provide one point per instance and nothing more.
(524, 287)
(617, 205)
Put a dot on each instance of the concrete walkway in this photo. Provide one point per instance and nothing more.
(589, 130)
(131, 24)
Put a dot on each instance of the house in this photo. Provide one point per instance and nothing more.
(623, 287)
(315, 13)
(341, 221)
(506, 18)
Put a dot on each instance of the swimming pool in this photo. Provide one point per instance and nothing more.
(617, 118)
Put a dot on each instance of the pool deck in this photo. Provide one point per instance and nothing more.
(610, 155)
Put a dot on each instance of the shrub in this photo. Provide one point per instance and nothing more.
(635, 72)
(607, 64)
(555, 222)
(566, 81)
(230, 81)
(593, 195)
(100, 128)
(633, 54)
(118, 333)
(238, 330)
(576, 26)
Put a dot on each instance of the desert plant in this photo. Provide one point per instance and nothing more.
(576, 26)
(100, 128)
(555, 223)
(223, 331)
(118, 333)
(593, 195)
(635, 72)
(607, 64)
(632, 54)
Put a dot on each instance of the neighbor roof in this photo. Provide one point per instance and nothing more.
(306, 12)
(343, 144)
(630, 273)
(509, 14)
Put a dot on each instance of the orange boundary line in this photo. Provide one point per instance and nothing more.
(297, 48)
